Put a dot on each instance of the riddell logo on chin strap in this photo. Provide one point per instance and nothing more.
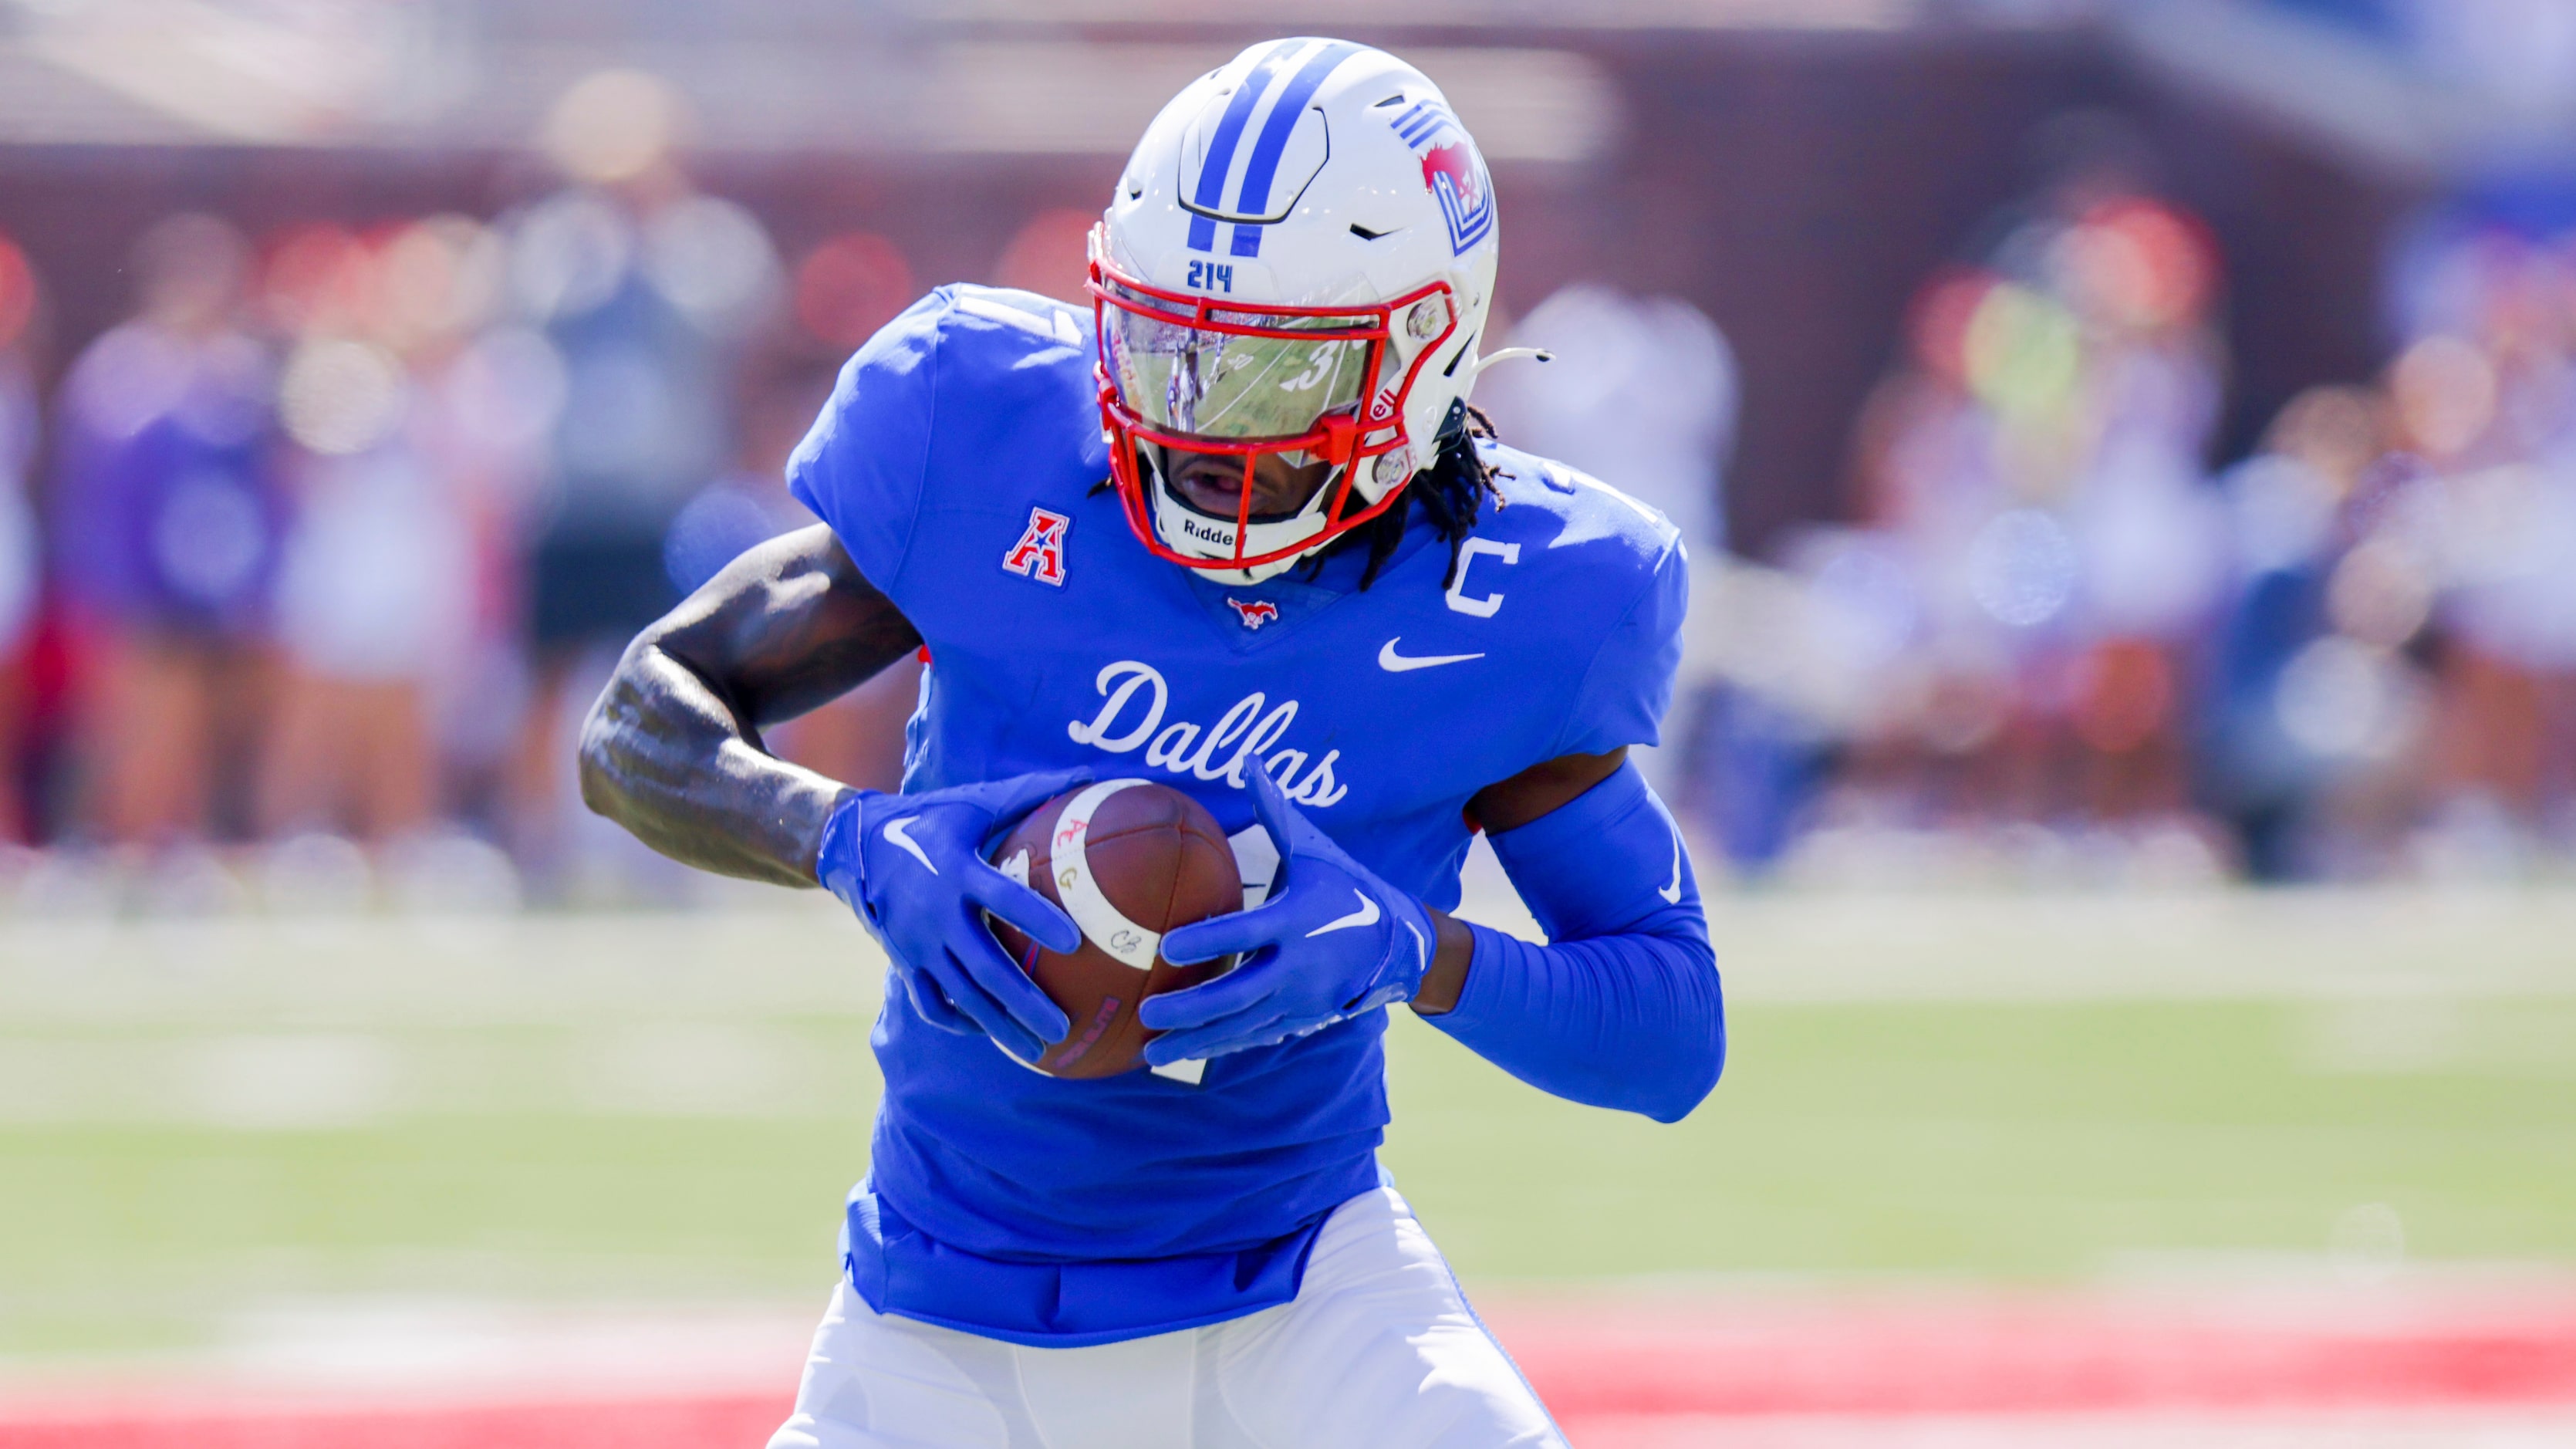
(1039, 554)
(1215, 533)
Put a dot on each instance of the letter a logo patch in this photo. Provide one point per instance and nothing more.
(1039, 554)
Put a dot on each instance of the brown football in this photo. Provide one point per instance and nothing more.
(1128, 860)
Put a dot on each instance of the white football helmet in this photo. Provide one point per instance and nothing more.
(1298, 261)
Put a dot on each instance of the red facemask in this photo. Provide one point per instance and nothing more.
(1197, 374)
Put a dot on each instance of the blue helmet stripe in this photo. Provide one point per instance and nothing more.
(1229, 131)
(1283, 119)
(1202, 234)
(1247, 239)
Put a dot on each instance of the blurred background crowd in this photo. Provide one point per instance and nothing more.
(2062, 633)
(2138, 487)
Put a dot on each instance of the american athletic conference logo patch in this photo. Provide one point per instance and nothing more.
(1451, 171)
(1039, 554)
(1254, 614)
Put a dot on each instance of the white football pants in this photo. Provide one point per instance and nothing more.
(1379, 1348)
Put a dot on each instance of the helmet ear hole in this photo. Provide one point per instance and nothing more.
(1455, 422)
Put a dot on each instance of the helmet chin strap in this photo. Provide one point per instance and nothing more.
(1173, 517)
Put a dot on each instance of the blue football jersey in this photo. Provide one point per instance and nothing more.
(961, 463)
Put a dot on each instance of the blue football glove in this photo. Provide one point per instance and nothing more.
(913, 868)
(1332, 941)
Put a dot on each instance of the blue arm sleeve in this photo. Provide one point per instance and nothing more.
(1623, 1008)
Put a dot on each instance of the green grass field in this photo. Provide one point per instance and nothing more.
(1991, 1140)
(633, 1109)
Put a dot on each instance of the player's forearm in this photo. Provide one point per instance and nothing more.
(1632, 1022)
(672, 750)
(1624, 1008)
(1450, 957)
(1524, 799)
(664, 755)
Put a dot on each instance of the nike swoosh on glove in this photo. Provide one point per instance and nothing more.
(1332, 942)
(912, 867)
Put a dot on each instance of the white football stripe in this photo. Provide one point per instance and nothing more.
(1188, 1069)
(1256, 860)
(1103, 923)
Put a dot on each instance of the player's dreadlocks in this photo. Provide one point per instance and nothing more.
(1452, 492)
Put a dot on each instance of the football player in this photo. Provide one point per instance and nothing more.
(1234, 528)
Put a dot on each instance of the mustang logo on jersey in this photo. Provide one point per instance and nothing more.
(1039, 554)
(1254, 614)
(1219, 751)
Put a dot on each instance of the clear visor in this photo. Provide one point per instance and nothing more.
(1210, 384)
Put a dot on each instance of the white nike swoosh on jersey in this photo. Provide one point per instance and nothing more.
(895, 832)
(1394, 663)
(1366, 915)
(1672, 894)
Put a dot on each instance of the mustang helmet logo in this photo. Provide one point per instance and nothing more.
(1457, 178)
(1451, 171)
(1254, 614)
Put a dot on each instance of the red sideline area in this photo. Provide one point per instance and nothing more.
(2008, 1357)
(1597, 1362)
(719, 1422)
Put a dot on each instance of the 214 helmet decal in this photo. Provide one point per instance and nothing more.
(1297, 264)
